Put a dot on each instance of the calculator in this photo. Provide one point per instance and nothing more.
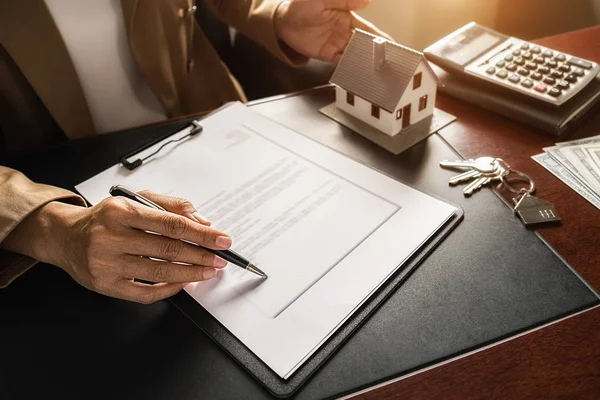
(538, 72)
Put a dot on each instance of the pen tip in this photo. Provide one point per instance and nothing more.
(256, 270)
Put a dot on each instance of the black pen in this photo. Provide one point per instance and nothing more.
(228, 255)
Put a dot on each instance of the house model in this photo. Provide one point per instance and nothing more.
(384, 84)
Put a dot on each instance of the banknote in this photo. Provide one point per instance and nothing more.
(577, 142)
(558, 154)
(584, 165)
(594, 152)
(546, 161)
(555, 152)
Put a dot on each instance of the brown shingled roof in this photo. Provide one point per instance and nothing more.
(383, 87)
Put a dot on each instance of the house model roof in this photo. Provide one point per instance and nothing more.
(383, 86)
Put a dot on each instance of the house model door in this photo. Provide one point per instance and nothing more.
(406, 116)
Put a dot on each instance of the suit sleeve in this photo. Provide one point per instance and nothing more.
(19, 197)
(255, 19)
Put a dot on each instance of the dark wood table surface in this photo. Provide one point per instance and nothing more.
(561, 360)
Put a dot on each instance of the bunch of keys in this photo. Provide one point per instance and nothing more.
(532, 210)
(480, 172)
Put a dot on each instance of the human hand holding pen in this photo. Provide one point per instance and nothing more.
(105, 246)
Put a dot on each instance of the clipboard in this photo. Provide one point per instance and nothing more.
(244, 356)
(261, 372)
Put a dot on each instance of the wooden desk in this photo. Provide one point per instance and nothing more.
(561, 360)
(85, 330)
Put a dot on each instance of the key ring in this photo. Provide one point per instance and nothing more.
(520, 177)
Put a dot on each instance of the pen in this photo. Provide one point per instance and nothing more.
(228, 255)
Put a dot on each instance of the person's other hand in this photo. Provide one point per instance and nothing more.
(321, 29)
(106, 246)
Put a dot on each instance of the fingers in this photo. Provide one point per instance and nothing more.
(165, 272)
(335, 46)
(145, 294)
(347, 5)
(176, 205)
(361, 23)
(139, 243)
(175, 226)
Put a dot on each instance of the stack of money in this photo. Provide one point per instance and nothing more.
(577, 164)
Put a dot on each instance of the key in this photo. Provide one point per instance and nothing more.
(482, 164)
(465, 176)
(534, 211)
(476, 184)
(484, 180)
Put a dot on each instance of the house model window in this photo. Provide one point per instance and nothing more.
(350, 98)
(423, 103)
(377, 80)
(417, 80)
(374, 111)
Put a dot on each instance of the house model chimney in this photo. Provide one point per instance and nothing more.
(378, 52)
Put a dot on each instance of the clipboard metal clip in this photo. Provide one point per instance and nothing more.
(194, 127)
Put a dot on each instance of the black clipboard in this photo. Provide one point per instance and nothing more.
(268, 378)
(228, 342)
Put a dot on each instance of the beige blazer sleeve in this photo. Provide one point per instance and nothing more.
(254, 18)
(19, 197)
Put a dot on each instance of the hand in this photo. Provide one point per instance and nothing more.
(106, 246)
(321, 28)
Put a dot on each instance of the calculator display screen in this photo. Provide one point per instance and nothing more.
(469, 44)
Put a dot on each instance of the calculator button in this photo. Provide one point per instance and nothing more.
(516, 52)
(580, 63)
(564, 85)
(552, 64)
(514, 78)
(548, 53)
(560, 57)
(501, 64)
(536, 50)
(508, 58)
(523, 71)
(519, 61)
(531, 66)
(564, 68)
(525, 46)
(554, 92)
(571, 78)
(511, 67)
(527, 55)
(541, 87)
(527, 83)
(544, 70)
(549, 81)
(490, 70)
(540, 60)
(536, 76)
(502, 74)
(578, 72)
(556, 74)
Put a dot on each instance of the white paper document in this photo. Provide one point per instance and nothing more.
(327, 230)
